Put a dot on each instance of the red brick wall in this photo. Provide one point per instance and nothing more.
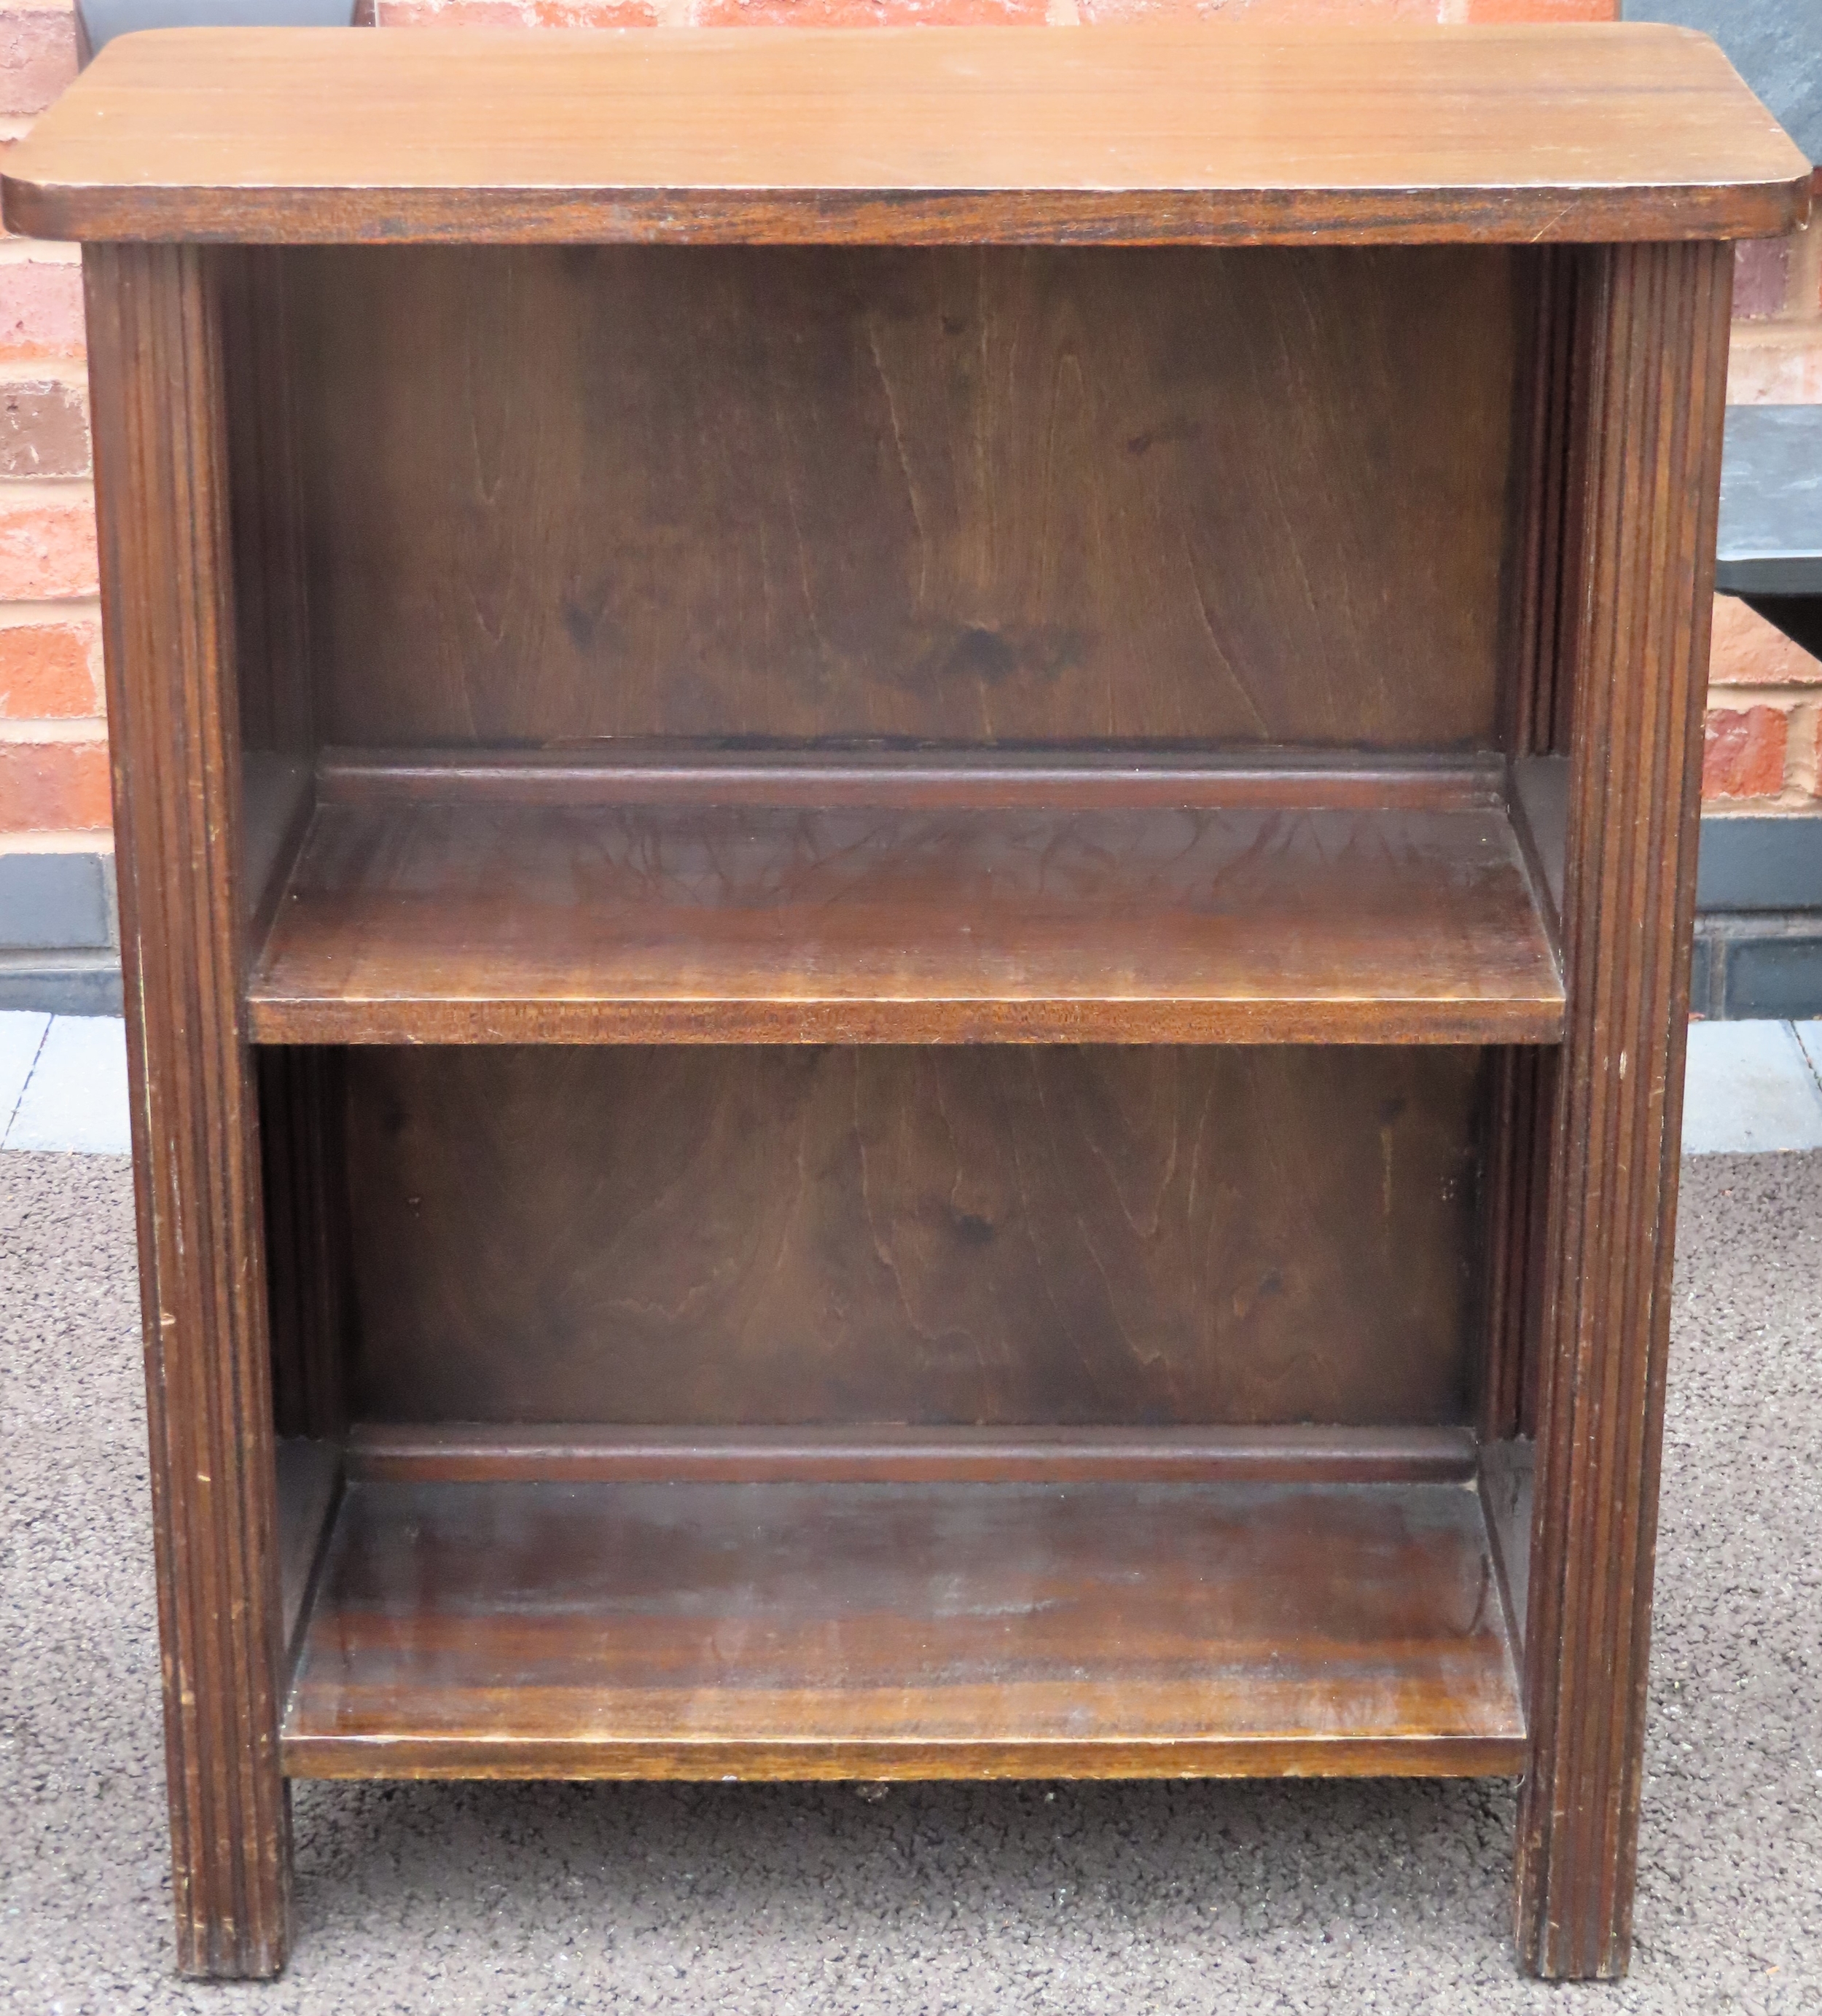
(1763, 743)
(53, 748)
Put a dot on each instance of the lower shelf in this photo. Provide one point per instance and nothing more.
(787, 1629)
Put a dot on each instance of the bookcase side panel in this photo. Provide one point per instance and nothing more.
(167, 609)
(1655, 355)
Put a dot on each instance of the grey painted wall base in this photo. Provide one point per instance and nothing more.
(1754, 966)
(59, 940)
(75, 983)
(1758, 919)
(1760, 862)
(52, 901)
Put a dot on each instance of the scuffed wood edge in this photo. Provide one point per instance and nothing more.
(728, 216)
(481, 1453)
(1534, 1016)
(767, 1761)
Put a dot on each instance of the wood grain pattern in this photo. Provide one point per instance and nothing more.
(959, 496)
(708, 917)
(161, 486)
(797, 1630)
(1039, 1234)
(1656, 358)
(1136, 134)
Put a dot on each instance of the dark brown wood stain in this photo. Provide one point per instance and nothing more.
(976, 1234)
(1237, 497)
(1134, 906)
(896, 1630)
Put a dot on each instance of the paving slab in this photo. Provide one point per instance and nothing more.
(76, 1098)
(22, 1035)
(1750, 1089)
(1810, 1035)
(1752, 1086)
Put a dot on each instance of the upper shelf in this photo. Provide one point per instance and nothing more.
(544, 902)
(1205, 134)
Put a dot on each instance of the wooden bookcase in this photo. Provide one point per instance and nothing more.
(907, 833)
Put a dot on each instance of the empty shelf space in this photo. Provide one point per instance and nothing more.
(592, 1623)
(528, 903)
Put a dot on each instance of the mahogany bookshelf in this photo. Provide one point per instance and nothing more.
(906, 825)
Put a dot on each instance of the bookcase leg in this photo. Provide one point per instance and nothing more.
(1654, 358)
(168, 623)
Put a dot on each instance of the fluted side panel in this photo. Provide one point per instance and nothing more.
(1642, 573)
(168, 614)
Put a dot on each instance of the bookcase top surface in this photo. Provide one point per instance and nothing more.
(1207, 133)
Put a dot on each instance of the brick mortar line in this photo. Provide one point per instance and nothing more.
(1777, 332)
(39, 252)
(53, 612)
(1800, 749)
(38, 492)
(61, 366)
(65, 367)
(56, 840)
(1722, 699)
(70, 731)
(1785, 801)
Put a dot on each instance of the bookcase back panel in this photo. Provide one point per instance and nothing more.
(976, 496)
(935, 1236)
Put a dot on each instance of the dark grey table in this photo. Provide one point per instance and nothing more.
(1770, 551)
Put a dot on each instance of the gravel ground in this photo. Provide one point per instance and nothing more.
(1232, 1898)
